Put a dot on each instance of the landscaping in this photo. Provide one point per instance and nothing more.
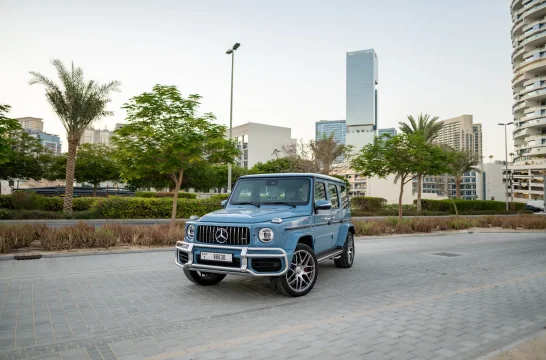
(85, 236)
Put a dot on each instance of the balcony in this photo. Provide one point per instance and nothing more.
(534, 10)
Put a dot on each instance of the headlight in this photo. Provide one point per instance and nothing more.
(266, 235)
(190, 232)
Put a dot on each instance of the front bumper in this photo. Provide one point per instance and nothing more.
(244, 253)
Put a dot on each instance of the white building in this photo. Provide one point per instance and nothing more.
(260, 142)
(31, 123)
(96, 136)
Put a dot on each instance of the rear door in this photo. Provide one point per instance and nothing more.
(336, 215)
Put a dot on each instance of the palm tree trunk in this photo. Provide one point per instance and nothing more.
(180, 176)
(70, 167)
(458, 188)
(400, 199)
(419, 190)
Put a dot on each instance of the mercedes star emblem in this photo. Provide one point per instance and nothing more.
(221, 235)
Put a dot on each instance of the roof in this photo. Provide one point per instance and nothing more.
(319, 176)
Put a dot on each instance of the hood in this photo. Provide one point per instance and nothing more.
(248, 216)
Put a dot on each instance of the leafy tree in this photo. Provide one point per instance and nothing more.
(429, 128)
(460, 163)
(7, 128)
(77, 103)
(276, 166)
(56, 168)
(95, 164)
(404, 155)
(165, 135)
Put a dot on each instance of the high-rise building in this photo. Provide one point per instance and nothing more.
(49, 141)
(388, 131)
(529, 108)
(327, 128)
(31, 123)
(461, 133)
(96, 136)
(260, 142)
(361, 102)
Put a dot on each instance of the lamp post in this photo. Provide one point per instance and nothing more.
(506, 160)
(232, 53)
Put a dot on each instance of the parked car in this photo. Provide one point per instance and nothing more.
(535, 205)
(279, 226)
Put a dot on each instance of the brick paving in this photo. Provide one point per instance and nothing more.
(399, 301)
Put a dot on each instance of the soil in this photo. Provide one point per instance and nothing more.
(534, 349)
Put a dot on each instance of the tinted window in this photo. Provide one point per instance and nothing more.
(320, 191)
(334, 199)
(272, 190)
(344, 197)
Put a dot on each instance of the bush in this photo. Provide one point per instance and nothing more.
(23, 200)
(368, 204)
(470, 206)
(5, 202)
(151, 208)
(40, 214)
(522, 212)
(219, 197)
(153, 194)
(79, 236)
(13, 237)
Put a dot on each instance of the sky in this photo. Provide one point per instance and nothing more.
(445, 58)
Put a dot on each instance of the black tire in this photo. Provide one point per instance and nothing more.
(301, 266)
(347, 258)
(203, 278)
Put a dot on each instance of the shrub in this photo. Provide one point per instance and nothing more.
(79, 236)
(23, 200)
(522, 212)
(5, 202)
(6, 214)
(154, 194)
(219, 197)
(467, 206)
(13, 237)
(369, 204)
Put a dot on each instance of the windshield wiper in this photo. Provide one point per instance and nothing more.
(247, 203)
(281, 203)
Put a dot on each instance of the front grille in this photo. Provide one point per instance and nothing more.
(266, 265)
(236, 262)
(215, 235)
(182, 257)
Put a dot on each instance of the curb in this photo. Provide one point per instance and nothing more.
(48, 255)
(453, 232)
(512, 346)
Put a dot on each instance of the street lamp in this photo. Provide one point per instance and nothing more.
(506, 160)
(232, 53)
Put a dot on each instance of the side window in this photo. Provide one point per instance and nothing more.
(334, 199)
(320, 191)
(344, 197)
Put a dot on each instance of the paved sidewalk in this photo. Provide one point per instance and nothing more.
(403, 299)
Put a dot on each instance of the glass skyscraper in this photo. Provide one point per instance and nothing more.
(326, 128)
(361, 102)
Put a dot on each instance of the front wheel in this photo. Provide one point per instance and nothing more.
(347, 258)
(203, 278)
(301, 275)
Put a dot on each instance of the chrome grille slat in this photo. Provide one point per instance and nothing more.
(237, 235)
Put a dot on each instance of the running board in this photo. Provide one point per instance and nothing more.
(329, 254)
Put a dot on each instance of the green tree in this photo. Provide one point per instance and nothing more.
(77, 103)
(460, 163)
(95, 164)
(429, 128)
(276, 166)
(8, 127)
(165, 134)
(404, 155)
(56, 168)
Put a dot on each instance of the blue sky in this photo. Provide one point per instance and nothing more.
(446, 58)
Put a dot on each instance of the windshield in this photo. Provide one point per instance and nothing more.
(264, 191)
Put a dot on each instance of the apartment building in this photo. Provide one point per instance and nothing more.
(31, 123)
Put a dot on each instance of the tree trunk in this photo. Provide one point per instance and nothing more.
(419, 190)
(180, 175)
(458, 188)
(400, 199)
(94, 190)
(70, 167)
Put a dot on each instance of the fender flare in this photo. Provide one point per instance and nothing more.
(344, 229)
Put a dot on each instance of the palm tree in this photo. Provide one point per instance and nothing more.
(491, 158)
(77, 103)
(462, 162)
(430, 128)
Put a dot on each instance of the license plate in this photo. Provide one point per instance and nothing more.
(216, 256)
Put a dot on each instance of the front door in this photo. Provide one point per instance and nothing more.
(321, 231)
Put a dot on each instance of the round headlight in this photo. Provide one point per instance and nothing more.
(266, 235)
(190, 231)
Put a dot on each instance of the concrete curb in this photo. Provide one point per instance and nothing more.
(50, 255)
(453, 232)
(512, 346)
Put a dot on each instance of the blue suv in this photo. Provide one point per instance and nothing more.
(278, 226)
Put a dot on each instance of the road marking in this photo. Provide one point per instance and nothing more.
(310, 325)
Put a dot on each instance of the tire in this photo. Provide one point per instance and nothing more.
(298, 280)
(203, 278)
(347, 258)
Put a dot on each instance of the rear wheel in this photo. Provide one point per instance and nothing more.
(301, 275)
(347, 258)
(203, 278)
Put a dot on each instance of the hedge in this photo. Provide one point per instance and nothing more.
(31, 201)
(465, 206)
(151, 208)
(368, 204)
(153, 194)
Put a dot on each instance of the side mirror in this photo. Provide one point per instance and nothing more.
(224, 203)
(322, 205)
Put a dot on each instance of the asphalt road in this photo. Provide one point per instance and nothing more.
(457, 296)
